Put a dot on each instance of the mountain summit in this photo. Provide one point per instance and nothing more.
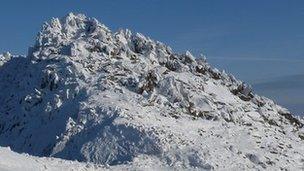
(88, 94)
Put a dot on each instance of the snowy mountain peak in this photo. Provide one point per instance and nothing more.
(85, 93)
(70, 27)
(59, 33)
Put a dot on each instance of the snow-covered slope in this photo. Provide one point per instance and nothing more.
(12, 161)
(85, 93)
(23, 162)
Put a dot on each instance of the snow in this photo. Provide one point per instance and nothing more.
(4, 58)
(12, 161)
(23, 162)
(124, 101)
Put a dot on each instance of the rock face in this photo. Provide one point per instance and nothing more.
(85, 93)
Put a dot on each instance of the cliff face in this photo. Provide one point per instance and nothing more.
(86, 93)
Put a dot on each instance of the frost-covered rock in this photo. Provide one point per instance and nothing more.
(4, 58)
(85, 93)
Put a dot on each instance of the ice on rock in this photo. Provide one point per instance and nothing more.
(122, 99)
(189, 58)
(4, 58)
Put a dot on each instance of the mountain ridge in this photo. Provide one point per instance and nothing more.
(84, 93)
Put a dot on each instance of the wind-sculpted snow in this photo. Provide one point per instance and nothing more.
(85, 93)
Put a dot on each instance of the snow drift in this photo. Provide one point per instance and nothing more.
(88, 94)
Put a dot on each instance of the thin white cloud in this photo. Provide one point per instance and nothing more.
(255, 59)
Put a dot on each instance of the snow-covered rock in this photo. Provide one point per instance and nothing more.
(117, 98)
(4, 58)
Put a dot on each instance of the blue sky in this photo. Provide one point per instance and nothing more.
(233, 34)
(255, 40)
